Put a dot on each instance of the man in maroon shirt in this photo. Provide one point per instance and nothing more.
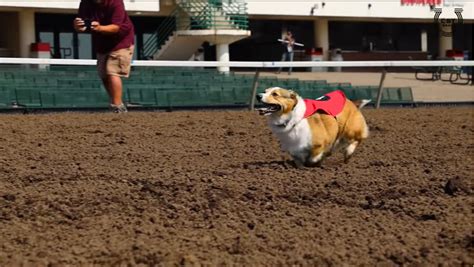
(113, 38)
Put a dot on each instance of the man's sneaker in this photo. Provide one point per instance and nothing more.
(118, 108)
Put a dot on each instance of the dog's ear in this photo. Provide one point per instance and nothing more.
(292, 94)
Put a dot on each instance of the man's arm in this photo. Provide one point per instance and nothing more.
(105, 29)
(118, 17)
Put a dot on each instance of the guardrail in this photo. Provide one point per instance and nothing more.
(248, 64)
(197, 15)
(159, 37)
(213, 14)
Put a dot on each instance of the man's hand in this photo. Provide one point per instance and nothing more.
(104, 29)
(79, 25)
(96, 27)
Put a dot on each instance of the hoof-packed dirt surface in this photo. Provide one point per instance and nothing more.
(211, 188)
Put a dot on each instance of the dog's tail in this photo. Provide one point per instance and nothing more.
(361, 103)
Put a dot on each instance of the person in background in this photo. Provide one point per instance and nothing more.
(288, 53)
(113, 39)
(199, 54)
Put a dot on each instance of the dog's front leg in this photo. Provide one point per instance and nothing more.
(298, 163)
(317, 160)
(286, 160)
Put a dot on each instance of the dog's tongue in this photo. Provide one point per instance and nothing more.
(263, 111)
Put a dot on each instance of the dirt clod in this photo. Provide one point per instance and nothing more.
(457, 185)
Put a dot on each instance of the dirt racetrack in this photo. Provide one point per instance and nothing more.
(211, 188)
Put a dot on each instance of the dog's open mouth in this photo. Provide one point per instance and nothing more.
(268, 109)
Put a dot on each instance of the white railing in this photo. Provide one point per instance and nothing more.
(250, 64)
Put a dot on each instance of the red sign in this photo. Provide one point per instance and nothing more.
(40, 47)
(421, 2)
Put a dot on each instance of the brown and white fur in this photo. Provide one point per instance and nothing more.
(310, 140)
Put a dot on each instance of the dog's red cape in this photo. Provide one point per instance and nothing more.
(331, 104)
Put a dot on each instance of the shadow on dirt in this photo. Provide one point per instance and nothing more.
(274, 164)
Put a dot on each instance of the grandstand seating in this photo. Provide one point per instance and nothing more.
(72, 87)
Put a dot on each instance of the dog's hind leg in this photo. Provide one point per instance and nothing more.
(349, 150)
(338, 145)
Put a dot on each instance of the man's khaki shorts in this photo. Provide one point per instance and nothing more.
(115, 63)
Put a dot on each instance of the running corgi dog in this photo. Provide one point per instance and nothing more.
(311, 130)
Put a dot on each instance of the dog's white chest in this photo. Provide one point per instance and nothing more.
(297, 140)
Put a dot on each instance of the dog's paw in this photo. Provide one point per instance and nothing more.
(298, 164)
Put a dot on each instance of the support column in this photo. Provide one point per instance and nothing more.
(445, 39)
(26, 31)
(424, 41)
(222, 53)
(321, 36)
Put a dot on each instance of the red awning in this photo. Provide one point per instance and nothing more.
(421, 2)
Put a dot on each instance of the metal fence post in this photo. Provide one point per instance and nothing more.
(254, 90)
(380, 91)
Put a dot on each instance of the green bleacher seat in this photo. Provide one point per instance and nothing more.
(7, 97)
(143, 96)
(185, 98)
(406, 94)
(28, 97)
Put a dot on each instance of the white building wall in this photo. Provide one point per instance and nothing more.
(332, 8)
(130, 5)
(392, 9)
